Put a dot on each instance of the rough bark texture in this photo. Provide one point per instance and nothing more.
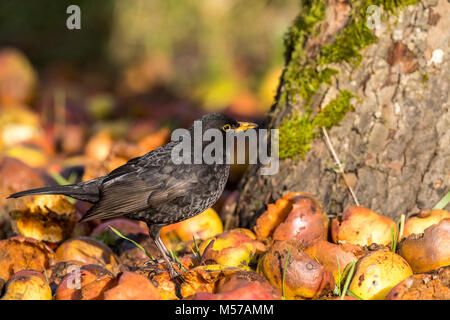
(395, 145)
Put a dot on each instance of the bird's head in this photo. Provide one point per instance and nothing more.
(224, 123)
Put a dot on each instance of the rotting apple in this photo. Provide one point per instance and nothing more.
(201, 227)
(234, 248)
(20, 253)
(333, 257)
(294, 272)
(306, 222)
(57, 272)
(204, 278)
(231, 284)
(125, 226)
(425, 219)
(136, 257)
(88, 251)
(251, 291)
(377, 273)
(27, 285)
(49, 218)
(362, 226)
(429, 250)
(88, 282)
(296, 216)
(133, 286)
(434, 285)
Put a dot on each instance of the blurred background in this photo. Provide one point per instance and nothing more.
(75, 104)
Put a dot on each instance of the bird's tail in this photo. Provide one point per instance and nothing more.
(86, 191)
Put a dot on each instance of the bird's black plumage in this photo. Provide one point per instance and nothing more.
(152, 188)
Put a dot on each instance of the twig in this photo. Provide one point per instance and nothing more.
(338, 162)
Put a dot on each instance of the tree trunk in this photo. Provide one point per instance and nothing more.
(383, 95)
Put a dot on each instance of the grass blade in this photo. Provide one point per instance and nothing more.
(132, 241)
(443, 202)
(175, 258)
(351, 294)
(284, 273)
(394, 239)
(339, 277)
(349, 278)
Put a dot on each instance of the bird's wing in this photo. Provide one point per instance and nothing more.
(133, 188)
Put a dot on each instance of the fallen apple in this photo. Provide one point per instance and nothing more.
(333, 257)
(20, 253)
(88, 282)
(133, 286)
(234, 248)
(201, 227)
(362, 226)
(204, 278)
(88, 251)
(429, 250)
(434, 285)
(294, 272)
(27, 285)
(296, 216)
(377, 273)
(49, 218)
(425, 219)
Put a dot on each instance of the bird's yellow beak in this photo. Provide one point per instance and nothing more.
(244, 126)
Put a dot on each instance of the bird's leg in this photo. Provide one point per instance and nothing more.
(154, 234)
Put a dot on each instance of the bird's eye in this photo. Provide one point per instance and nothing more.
(226, 128)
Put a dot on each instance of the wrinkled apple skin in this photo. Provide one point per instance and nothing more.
(377, 273)
(133, 286)
(430, 250)
(204, 278)
(88, 251)
(362, 226)
(27, 285)
(328, 254)
(425, 286)
(296, 216)
(20, 253)
(244, 279)
(252, 291)
(49, 218)
(425, 219)
(304, 277)
(88, 282)
(125, 226)
(201, 227)
(306, 222)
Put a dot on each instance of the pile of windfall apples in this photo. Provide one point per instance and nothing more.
(293, 252)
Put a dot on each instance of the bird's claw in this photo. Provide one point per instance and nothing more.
(151, 263)
(177, 278)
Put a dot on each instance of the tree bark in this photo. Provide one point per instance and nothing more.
(395, 144)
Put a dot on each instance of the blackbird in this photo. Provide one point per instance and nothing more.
(154, 189)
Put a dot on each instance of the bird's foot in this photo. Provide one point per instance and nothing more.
(177, 279)
(151, 263)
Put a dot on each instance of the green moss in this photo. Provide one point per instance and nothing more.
(297, 132)
(301, 78)
(335, 111)
(357, 35)
(305, 74)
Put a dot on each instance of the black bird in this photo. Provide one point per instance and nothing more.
(154, 189)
